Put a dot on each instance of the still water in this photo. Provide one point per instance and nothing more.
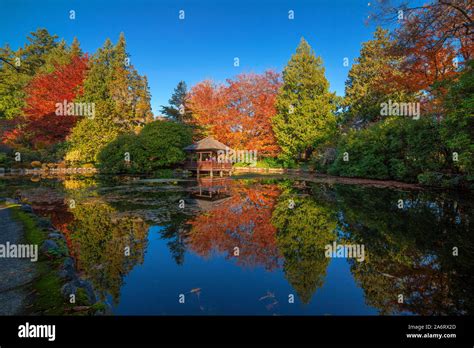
(258, 246)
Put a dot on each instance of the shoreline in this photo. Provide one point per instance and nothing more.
(56, 287)
(303, 174)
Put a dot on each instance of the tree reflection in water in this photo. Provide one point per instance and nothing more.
(242, 220)
(409, 250)
(107, 248)
(305, 227)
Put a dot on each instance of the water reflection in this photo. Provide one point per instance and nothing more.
(412, 250)
(305, 226)
(238, 225)
(107, 248)
(422, 250)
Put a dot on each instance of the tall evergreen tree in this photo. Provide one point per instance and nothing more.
(75, 48)
(305, 109)
(18, 67)
(122, 87)
(121, 97)
(58, 56)
(90, 136)
(177, 109)
(34, 53)
(143, 110)
(115, 86)
(365, 86)
(96, 85)
(12, 82)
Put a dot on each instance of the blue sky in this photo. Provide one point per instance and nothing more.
(204, 44)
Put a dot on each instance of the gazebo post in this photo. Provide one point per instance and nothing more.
(198, 164)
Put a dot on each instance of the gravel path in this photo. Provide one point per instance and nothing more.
(15, 273)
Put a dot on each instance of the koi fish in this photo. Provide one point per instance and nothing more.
(268, 295)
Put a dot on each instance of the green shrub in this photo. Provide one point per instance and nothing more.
(48, 154)
(164, 142)
(159, 145)
(397, 148)
(270, 162)
(3, 159)
(88, 138)
(457, 129)
(122, 155)
(444, 180)
(430, 178)
(241, 164)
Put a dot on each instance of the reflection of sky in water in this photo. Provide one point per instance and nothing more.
(409, 250)
(228, 289)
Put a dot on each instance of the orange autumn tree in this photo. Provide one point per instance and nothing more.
(422, 65)
(423, 68)
(238, 113)
(243, 221)
(433, 41)
(41, 126)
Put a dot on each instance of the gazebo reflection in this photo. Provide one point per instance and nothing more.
(211, 192)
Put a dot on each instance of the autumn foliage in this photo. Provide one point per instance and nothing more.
(243, 221)
(433, 42)
(40, 125)
(238, 113)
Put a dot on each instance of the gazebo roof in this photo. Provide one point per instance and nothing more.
(208, 143)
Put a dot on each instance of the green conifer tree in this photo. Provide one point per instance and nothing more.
(365, 87)
(177, 110)
(305, 109)
(121, 97)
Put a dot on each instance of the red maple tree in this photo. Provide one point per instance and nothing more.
(41, 126)
(239, 112)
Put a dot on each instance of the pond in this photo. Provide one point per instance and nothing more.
(259, 245)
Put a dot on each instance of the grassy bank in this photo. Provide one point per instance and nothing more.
(47, 297)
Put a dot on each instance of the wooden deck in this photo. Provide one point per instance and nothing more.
(210, 167)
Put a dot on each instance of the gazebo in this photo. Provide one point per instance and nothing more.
(203, 156)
